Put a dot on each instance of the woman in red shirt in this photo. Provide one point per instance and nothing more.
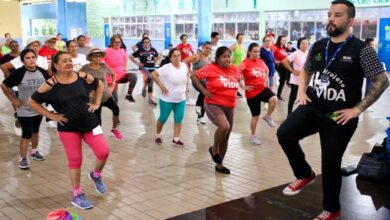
(280, 53)
(255, 73)
(221, 94)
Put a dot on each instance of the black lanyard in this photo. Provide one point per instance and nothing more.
(335, 53)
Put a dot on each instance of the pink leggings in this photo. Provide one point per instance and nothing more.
(72, 146)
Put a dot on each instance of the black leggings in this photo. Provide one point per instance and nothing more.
(284, 76)
(111, 104)
(307, 120)
(30, 125)
(130, 78)
(200, 99)
(293, 97)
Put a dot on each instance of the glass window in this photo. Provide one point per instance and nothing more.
(186, 25)
(230, 24)
(295, 30)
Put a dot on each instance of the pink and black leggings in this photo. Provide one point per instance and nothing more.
(72, 145)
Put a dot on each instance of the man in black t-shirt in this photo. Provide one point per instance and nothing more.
(331, 104)
(147, 56)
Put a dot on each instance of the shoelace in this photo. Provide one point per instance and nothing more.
(295, 183)
(324, 215)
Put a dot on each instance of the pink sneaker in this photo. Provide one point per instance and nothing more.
(325, 215)
(116, 134)
(295, 187)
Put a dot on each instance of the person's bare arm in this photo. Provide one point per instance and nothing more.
(380, 83)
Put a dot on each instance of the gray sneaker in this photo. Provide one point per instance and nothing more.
(99, 185)
(37, 156)
(81, 201)
(23, 163)
(269, 121)
(254, 140)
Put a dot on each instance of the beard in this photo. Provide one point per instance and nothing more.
(337, 31)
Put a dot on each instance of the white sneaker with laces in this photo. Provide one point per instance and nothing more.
(51, 124)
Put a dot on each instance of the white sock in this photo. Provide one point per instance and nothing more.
(176, 139)
(158, 135)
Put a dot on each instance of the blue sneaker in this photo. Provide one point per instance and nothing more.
(23, 163)
(99, 185)
(81, 201)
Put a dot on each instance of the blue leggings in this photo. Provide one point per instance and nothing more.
(167, 107)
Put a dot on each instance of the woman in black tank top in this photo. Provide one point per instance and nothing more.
(68, 93)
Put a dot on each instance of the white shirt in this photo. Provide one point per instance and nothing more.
(41, 62)
(175, 80)
(79, 61)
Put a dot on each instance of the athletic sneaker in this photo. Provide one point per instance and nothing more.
(51, 124)
(325, 215)
(17, 128)
(158, 140)
(37, 156)
(201, 121)
(143, 92)
(269, 121)
(198, 110)
(116, 134)
(130, 98)
(178, 142)
(23, 163)
(254, 140)
(295, 187)
(81, 201)
(151, 102)
(100, 187)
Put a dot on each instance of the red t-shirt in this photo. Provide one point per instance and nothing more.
(46, 53)
(279, 53)
(221, 83)
(255, 75)
(185, 50)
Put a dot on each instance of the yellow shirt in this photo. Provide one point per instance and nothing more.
(60, 45)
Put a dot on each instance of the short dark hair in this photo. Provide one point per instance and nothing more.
(239, 34)
(250, 48)
(80, 36)
(299, 42)
(349, 4)
(289, 42)
(172, 51)
(25, 52)
(59, 34)
(368, 40)
(13, 41)
(206, 43)
(5, 35)
(266, 37)
(214, 34)
(69, 42)
(220, 51)
(183, 35)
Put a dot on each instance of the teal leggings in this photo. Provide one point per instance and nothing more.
(167, 107)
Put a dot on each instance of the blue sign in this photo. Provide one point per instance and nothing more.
(106, 35)
(384, 42)
(167, 34)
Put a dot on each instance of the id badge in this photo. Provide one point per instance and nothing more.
(324, 80)
(96, 131)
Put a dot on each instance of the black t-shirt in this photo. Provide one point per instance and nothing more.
(290, 51)
(72, 101)
(146, 57)
(340, 86)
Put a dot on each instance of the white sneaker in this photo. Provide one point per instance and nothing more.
(17, 128)
(254, 140)
(201, 121)
(51, 124)
(198, 110)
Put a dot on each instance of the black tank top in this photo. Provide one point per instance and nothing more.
(72, 101)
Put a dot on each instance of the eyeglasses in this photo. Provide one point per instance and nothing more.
(146, 42)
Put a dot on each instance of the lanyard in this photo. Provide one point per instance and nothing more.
(335, 53)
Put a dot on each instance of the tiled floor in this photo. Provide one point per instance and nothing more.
(147, 181)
